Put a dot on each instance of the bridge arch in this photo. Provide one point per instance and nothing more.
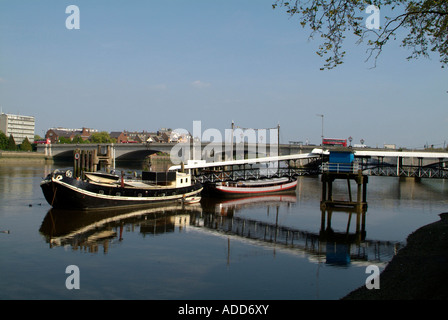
(137, 155)
(66, 155)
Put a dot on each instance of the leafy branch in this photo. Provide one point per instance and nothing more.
(426, 22)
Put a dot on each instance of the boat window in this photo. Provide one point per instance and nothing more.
(139, 195)
(118, 194)
(181, 180)
(186, 179)
(101, 192)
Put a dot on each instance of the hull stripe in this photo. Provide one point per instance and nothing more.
(121, 198)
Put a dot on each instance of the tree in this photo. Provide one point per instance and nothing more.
(425, 21)
(64, 140)
(26, 145)
(3, 141)
(11, 144)
(77, 139)
(100, 137)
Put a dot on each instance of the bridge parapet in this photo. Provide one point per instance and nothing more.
(127, 150)
(124, 150)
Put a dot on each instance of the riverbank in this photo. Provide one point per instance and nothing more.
(418, 271)
(23, 156)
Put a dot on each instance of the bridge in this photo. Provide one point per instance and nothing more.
(416, 164)
(138, 151)
(290, 159)
(122, 151)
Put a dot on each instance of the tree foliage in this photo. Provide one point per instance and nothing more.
(77, 139)
(26, 145)
(3, 141)
(64, 140)
(425, 21)
(100, 137)
(11, 144)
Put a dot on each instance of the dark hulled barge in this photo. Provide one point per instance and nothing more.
(102, 191)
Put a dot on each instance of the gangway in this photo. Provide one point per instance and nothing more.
(201, 164)
(274, 166)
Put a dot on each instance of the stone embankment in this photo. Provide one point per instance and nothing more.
(418, 271)
(23, 156)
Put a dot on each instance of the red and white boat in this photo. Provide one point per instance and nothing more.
(255, 187)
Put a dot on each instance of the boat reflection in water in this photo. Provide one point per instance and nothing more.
(227, 207)
(89, 230)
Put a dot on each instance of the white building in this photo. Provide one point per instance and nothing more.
(20, 127)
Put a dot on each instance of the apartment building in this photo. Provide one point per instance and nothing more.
(20, 127)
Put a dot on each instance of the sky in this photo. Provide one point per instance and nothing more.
(145, 65)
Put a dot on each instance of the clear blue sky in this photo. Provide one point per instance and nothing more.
(143, 65)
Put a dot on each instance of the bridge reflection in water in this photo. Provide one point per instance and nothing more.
(89, 231)
(327, 245)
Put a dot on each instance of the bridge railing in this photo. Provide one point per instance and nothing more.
(408, 171)
(340, 167)
(246, 174)
(294, 239)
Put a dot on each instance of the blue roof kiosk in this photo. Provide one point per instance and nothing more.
(341, 161)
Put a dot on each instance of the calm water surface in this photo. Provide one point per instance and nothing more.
(260, 248)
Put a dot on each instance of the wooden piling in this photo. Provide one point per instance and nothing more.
(91, 160)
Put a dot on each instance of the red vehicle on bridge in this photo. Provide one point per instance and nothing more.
(334, 142)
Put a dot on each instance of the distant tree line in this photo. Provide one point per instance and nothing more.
(9, 144)
(96, 137)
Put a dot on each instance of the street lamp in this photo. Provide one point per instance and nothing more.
(322, 116)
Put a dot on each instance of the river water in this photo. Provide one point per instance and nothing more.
(259, 248)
